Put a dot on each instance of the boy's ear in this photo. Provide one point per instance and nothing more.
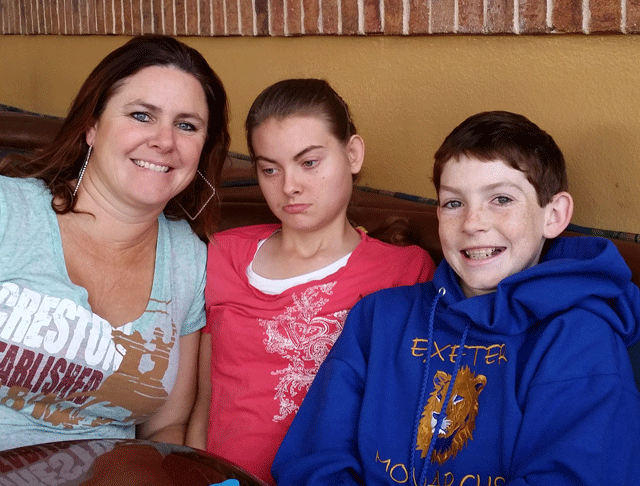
(355, 153)
(558, 214)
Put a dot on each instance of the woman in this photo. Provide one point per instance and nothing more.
(101, 276)
(277, 295)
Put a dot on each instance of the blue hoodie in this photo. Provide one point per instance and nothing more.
(544, 393)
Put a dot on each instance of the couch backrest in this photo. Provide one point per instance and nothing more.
(243, 205)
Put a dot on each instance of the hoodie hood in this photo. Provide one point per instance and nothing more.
(590, 271)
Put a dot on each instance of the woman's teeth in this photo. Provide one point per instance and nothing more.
(482, 253)
(150, 166)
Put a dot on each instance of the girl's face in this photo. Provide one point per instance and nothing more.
(305, 172)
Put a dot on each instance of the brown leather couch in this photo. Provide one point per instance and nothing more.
(242, 203)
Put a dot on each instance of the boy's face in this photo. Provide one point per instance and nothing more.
(490, 222)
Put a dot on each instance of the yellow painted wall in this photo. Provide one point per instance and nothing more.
(407, 94)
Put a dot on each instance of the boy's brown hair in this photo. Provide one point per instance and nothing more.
(513, 139)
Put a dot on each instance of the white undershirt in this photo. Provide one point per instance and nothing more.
(275, 287)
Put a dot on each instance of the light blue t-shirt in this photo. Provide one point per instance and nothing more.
(65, 373)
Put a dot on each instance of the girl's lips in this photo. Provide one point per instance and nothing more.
(295, 208)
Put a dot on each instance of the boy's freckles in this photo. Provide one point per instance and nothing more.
(490, 222)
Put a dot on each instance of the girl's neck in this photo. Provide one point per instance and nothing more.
(339, 239)
(289, 253)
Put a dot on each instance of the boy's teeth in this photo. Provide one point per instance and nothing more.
(150, 166)
(480, 254)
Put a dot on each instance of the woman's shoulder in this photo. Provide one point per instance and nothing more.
(18, 185)
(181, 237)
(24, 199)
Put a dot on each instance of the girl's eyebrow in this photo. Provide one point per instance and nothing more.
(295, 157)
(304, 151)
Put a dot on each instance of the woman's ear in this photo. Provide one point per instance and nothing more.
(90, 135)
(558, 214)
(355, 153)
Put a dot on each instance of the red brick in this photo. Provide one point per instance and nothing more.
(11, 17)
(606, 16)
(88, 16)
(372, 20)
(277, 17)
(44, 16)
(146, 13)
(442, 13)
(329, 17)
(567, 16)
(100, 19)
(233, 26)
(218, 17)
(40, 16)
(79, 18)
(191, 16)
(179, 27)
(471, 16)
(136, 18)
(119, 12)
(633, 16)
(350, 17)
(533, 16)
(262, 17)
(246, 14)
(499, 17)
(164, 17)
(418, 16)
(38, 6)
(205, 19)
(393, 11)
(37, 14)
(311, 10)
(26, 18)
(294, 20)
(71, 21)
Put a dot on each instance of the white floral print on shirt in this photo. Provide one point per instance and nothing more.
(304, 338)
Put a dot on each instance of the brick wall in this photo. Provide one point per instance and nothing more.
(318, 17)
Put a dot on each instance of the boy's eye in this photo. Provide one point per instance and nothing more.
(140, 116)
(452, 204)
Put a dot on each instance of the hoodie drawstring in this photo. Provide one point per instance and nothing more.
(423, 391)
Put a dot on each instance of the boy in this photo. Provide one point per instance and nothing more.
(534, 342)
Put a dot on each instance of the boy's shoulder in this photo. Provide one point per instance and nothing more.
(401, 296)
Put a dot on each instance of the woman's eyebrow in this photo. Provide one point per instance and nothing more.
(155, 109)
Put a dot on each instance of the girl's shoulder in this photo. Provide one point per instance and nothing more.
(375, 247)
(258, 231)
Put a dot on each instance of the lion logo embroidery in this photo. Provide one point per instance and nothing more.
(460, 416)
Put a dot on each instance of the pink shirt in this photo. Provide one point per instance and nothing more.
(266, 349)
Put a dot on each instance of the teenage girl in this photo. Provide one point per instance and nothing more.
(277, 295)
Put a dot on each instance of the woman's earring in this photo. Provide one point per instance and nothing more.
(213, 193)
(84, 167)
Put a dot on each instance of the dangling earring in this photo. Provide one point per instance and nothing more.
(84, 167)
(213, 193)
